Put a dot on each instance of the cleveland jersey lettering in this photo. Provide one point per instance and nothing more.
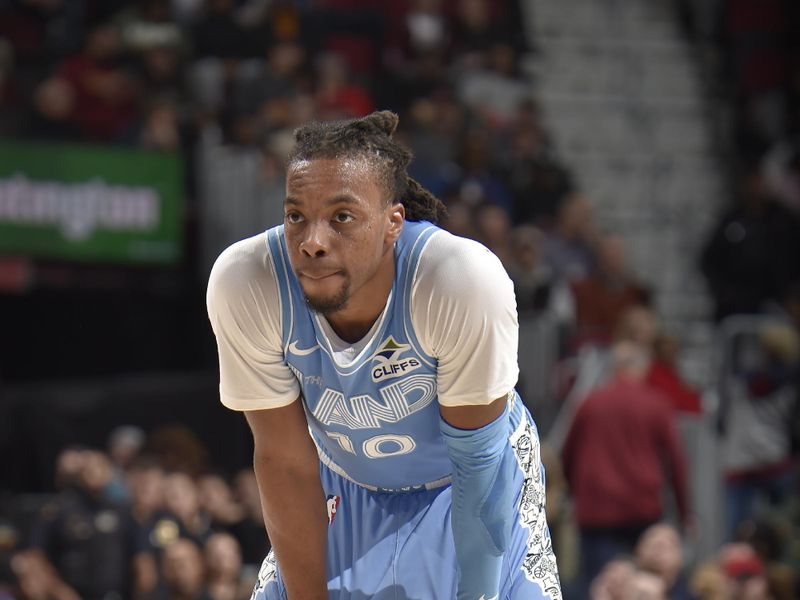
(374, 418)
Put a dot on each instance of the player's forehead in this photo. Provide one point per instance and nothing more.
(320, 179)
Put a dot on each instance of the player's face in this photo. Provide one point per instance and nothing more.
(339, 229)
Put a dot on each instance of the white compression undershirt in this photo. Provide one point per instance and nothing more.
(463, 311)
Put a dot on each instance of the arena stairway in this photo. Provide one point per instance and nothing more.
(622, 94)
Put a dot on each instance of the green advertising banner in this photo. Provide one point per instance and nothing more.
(90, 203)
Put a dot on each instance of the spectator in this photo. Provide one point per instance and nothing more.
(279, 82)
(638, 324)
(424, 30)
(218, 34)
(432, 136)
(621, 447)
(496, 91)
(217, 502)
(160, 129)
(148, 26)
(781, 169)
(708, 582)
(425, 76)
(99, 96)
(336, 96)
(644, 585)
(53, 105)
(124, 444)
(569, 246)
(758, 402)
(536, 180)
(613, 581)
(747, 258)
(603, 296)
(768, 543)
(744, 573)
(537, 288)
(494, 232)
(223, 562)
(461, 221)
(146, 484)
(221, 49)
(32, 577)
(177, 448)
(559, 514)
(181, 499)
(659, 551)
(95, 546)
(474, 32)
(478, 183)
(69, 464)
(664, 376)
(183, 572)
(161, 74)
(38, 30)
(250, 532)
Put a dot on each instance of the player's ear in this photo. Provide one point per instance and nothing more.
(396, 217)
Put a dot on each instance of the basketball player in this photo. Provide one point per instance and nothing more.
(394, 343)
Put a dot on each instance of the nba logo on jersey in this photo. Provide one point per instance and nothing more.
(333, 506)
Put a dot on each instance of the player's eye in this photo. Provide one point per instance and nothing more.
(293, 218)
(344, 217)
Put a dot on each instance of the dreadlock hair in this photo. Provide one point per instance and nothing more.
(370, 137)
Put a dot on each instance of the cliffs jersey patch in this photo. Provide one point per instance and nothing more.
(388, 361)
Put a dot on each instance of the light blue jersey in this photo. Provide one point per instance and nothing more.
(376, 419)
(384, 465)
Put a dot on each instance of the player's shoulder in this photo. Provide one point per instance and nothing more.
(243, 261)
(460, 265)
(243, 269)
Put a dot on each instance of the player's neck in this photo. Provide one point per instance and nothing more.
(366, 304)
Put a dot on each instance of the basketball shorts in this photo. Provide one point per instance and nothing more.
(399, 546)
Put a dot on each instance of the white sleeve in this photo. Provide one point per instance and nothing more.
(464, 313)
(245, 312)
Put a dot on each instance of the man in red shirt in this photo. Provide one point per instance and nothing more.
(620, 449)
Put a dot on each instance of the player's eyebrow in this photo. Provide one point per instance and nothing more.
(338, 199)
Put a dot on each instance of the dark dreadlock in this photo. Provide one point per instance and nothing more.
(370, 137)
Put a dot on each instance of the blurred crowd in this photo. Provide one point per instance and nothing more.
(145, 519)
(750, 260)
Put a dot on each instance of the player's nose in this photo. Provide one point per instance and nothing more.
(316, 240)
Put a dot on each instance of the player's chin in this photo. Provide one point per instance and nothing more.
(326, 301)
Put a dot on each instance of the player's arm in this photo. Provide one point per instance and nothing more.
(468, 322)
(244, 311)
(473, 417)
(287, 469)
(482, 511)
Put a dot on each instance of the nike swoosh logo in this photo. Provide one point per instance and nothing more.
(483, 597)
(302, 351)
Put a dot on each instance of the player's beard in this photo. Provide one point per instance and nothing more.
(332, 303)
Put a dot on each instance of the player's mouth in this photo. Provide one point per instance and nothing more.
(318, 275)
